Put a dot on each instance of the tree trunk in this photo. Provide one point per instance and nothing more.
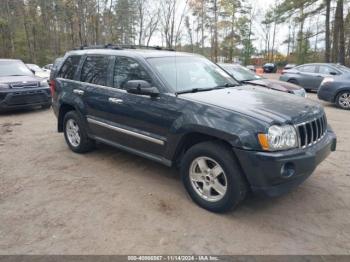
(335, 50)
(216, 31)
(341, 54)
(328, 32)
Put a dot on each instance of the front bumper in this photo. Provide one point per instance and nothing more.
(264, 170)
(326, 93)
(11, 99)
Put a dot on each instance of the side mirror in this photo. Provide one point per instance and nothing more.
(141, 87)
(333, 73)
(32, 71)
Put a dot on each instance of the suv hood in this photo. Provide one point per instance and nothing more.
(21, 81)
(276, 85)
(260, 103)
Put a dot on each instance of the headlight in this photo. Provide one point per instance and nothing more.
(4, 86)
(44, 83)
(300, 92)
(327, 80)
(279, 138)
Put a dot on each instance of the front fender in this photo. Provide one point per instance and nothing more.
(237, 130)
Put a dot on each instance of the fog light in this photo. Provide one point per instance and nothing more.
(288, 170)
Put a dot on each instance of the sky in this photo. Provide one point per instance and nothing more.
(261, 6)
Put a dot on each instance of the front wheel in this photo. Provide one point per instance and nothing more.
(212, 177)
(343, 100)
(75, 134)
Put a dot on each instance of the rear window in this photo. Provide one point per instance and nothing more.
(95, 70)
(69, 67)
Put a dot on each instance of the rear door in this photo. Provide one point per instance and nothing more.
(309, 77)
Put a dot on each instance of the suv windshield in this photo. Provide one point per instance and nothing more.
(191, 73)
(241, 73)
(14, 68)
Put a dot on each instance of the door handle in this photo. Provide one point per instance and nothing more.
(115, 100)
(78, 92)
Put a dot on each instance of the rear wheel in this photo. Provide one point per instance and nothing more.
(75, 134)
(343, 100)
(212, 177)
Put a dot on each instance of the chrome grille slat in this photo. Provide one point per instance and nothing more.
(310, 132)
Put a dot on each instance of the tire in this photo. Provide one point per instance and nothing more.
(75, 134)
(343, 100)
(215, 155)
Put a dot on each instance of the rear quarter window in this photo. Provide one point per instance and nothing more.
(69, 67)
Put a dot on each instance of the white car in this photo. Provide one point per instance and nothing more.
(38, 71)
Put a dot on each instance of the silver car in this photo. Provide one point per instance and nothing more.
(310, 76)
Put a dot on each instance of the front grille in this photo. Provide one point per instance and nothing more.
(28, 98)
(309, 133)
(30, 84)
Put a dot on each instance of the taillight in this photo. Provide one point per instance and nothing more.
(52, 87)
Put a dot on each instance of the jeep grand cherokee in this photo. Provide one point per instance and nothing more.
(181, 109)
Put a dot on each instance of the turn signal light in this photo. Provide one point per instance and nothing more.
(263, 141)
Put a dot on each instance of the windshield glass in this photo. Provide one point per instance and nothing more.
(187, 73)
(36, 68)
(241, 73)
(343, 68)
(14, 68)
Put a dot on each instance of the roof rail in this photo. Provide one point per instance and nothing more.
(123, 46)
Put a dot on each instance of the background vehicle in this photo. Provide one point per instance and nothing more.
(38, 71)
(20, 88)
(251, 68)
(181, 109)
(289, 66)
(336, 89)
(245, 76)
(270, 68)
(48, 67)
(310, 76)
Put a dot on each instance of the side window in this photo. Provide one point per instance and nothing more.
(69, 67)
(95, 70)
(307, 69)
(127, 69)
(327, 70)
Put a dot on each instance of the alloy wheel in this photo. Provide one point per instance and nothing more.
(73, 135)
(208, 179)
(344, 100)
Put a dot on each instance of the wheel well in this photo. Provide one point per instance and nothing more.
(292, 80)
(64, 109)
(192, 139)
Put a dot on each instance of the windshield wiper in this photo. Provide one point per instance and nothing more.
(196, 90)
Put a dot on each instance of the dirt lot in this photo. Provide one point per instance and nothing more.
(110, 202)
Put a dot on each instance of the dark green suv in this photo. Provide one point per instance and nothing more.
(182, 110)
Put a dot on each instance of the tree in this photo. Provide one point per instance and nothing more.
(328, 32)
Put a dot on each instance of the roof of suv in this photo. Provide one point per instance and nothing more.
(131, 52)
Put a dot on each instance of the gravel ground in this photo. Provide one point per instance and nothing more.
(110, 202)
